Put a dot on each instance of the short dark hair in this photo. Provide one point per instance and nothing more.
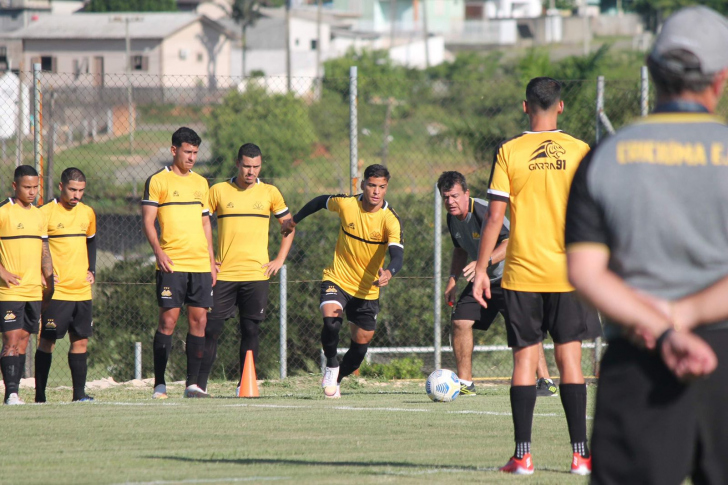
(250, 150)
(678, 71)
(376, 171)
(186, 135)
(543, 92)
(24, 171)
(448, 180)
(72, 173)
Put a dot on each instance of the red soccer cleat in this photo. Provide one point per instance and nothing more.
(522, 466)
(580, 465)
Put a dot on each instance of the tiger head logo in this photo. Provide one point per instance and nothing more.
(548, 149)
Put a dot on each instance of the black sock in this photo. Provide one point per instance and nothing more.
(330, 340)
(42, 369)
(79, 367)
(22, 367)
(12, 370)
(212, 335)
(523, 401)
(352, 359)
(573, 398)
(162, 348)
(249, 340)
(195, 352)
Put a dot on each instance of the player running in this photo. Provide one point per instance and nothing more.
(351, 283)
(178, 198)
(25, 264)
(243, 206)
(465, 217)
(533, 173)
(72, 239)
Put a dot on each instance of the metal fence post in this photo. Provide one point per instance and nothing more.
(353, 129)
(138, 360)
(37, 127)
(600, 106)
(283, 321)
(644, 92)
(438, 279)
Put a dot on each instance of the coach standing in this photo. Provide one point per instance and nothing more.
(647, 224)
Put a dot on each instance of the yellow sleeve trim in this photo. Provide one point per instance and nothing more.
(586, 246)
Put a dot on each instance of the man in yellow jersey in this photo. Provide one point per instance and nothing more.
(72, 239)
(177, 197)
(533, 171)
(25, 262)
(243, 206)
(351, 283)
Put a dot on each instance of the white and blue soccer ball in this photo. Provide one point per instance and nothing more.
(443, 385)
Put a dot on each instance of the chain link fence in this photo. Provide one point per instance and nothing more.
(119, 134)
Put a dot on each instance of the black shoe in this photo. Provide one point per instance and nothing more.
(546, 388)
(467, 390)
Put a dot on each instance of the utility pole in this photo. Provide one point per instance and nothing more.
(129, 91)
(392, 19)
(318, 41)
(426, 33)
(288, 45)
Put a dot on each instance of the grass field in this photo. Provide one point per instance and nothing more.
(379, 432)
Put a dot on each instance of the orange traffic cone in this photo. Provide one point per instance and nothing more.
(248, 384)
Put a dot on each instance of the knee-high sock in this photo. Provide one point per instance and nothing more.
(523, 401)
(352, 359)
(162, 348)
(573, 398)
(213, 330)
(79, 368)
(330, 339)
(195, 353)
(249, 339)
(12, 370)
(42, 369)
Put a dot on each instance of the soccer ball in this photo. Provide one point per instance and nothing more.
(443, 385)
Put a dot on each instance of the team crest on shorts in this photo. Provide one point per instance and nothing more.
(331, 290)
(166, 292)
(10, 316)
(50, 324)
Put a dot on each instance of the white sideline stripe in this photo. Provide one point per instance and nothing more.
(210, 480)
(97, 403)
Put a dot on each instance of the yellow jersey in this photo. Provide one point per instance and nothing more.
(182, 203)
(534, 172)
(362, 245)
(21, 248)
(68, 231)
(243, 219)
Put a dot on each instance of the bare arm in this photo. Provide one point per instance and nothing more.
(46, 264)
(149, 215)
(704, 307)
(207, 227)
(489, 238)
(457, 263)
(272, 267)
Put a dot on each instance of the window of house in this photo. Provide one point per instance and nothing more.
(200, 57)
(48, 64)
(3, 58)
(314, 43)
(296, 42)
(139, 63)
(473, 11)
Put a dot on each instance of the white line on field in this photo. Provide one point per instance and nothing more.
(210, 480)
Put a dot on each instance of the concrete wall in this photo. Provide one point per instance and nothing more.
(197, 50)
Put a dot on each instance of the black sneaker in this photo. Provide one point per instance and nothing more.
(85, 398)
(467, 390)
(546, 387)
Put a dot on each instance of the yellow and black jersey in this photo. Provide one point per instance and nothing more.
(22, 231)
(243, 217)
(362, 245)
(68, 231)
(182, 203)
(534, 172)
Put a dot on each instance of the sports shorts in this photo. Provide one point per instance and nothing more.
(18, 315)
(180, 288)
(249, 297)
(650, 428)
(360, 312)
(63, 316)
(530, 316)
(467, 307)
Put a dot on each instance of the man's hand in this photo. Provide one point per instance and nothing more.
(272, 267)
(481, 288)
(214, 270)
(287, 226)
(469, 271)
(687, 355)
(384, 276)
(165, 264)
(451, 291)
(9, 278)
(89, 277)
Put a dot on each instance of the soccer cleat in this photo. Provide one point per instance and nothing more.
(14, 400)
(522, 466)
(467, 389)
(85, 398)
(330, 376)
(332, 392)
(580, 465)
(194, 391)
(546, 388)
(160, 392)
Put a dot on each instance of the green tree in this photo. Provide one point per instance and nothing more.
(132, 6)
(655, 11)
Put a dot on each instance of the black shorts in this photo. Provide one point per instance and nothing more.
(250, 297)
(360, 312)
(530, 316)
(18, 315)
(649, 428)
(62, 316)
(467, 307)
(180, 288)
